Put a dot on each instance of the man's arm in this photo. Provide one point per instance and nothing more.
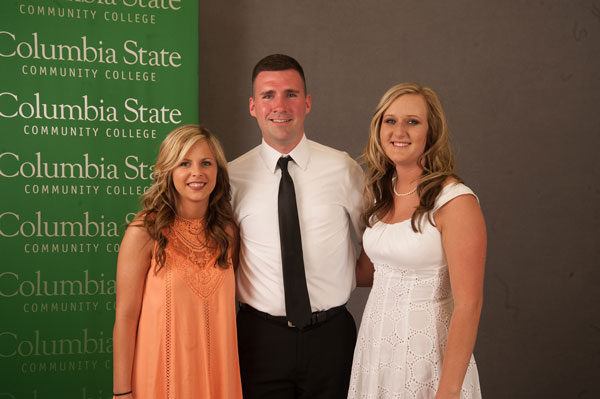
(354, 205)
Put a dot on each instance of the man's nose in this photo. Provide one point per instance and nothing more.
(279, 103)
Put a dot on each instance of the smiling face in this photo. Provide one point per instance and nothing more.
(404, 127)
(280, 106)
(194, 179)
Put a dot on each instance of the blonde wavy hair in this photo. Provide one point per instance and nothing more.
(159, 203)
(437, 160)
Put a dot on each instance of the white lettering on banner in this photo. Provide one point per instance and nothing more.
(137, 170)
(87, 110)
(127, 190)
(110, 16)
(12, 226)
(128, 17)
(13, 286)
(84, 52)
(62, 247)
(62, 366)
(99, 2)
(58, 189)
(144, 114)
(58, 52)
(145, 57)
(11, 166)
(157, 4)
(80, 131)
(113, 248)
(83, 344)
(68, 189)
(62, 12)
(40, 110)
(54, 307)
(62, 72)
(73, 131)
(129, 133)
(86, 73)
(113, 74)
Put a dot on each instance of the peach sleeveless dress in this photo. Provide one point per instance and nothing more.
(186, 341)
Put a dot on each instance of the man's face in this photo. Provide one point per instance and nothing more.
(280, 105)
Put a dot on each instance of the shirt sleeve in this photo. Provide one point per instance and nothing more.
(354, 201)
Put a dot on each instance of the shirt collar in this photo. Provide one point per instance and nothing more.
(300, 154)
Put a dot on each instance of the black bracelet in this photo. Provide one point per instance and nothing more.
(122, 394)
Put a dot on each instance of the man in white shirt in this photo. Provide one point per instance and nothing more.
(278, 358)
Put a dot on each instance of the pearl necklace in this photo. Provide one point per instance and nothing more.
(402, 194)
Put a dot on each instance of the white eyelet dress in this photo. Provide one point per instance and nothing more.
(400, 346)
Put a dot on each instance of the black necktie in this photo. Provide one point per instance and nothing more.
(297, 302)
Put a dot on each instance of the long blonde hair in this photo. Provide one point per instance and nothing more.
(159, 203)
(437, 160)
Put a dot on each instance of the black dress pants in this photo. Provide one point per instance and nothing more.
(281, 362)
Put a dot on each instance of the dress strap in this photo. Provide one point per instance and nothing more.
(451, 191)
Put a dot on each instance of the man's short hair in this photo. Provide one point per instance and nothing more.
(278, 62)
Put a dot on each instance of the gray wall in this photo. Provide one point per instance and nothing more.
(520, 83)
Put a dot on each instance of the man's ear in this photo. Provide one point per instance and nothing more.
(308, 103)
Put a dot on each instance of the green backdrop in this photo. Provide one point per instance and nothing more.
(88, 90)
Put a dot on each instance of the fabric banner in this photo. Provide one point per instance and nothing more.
(88, 90)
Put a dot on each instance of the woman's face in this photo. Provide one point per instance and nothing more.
(194, 179)
(404, 127)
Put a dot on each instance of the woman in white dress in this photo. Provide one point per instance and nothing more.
(424, 255)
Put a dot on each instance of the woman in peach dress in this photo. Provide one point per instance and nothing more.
(174, 333)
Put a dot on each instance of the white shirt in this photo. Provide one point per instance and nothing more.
(328, 185)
